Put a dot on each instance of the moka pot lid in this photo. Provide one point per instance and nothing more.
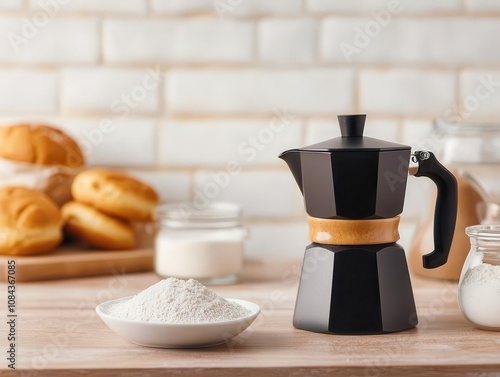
(352, 139)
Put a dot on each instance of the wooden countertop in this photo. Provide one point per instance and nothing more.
(59, 334)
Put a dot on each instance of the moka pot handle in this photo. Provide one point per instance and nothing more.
(445, 213)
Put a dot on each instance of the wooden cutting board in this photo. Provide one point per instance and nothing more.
(71, 261)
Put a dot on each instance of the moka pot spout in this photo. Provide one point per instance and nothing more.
(292, 158)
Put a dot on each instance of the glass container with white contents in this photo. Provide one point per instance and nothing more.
(479, 286)
(206, 245)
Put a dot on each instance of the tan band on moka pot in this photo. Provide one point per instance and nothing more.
(353, 232)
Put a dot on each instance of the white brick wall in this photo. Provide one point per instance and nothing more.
(448, 41)
(190, 85)
(11, 4)
(249, 142)
(312, 91)
(265, 8)
(291, 41)
(92, 6)
(416, 133)
(366, 6)
(288, 239)
(114, 91)
(178, 41)
(172, 186)
(114, 142)
(255, 190)
(181, 7)
(28, 91)
(56, 42)
(226, 9)
(482, 5)
(407, 92)
(480, 93)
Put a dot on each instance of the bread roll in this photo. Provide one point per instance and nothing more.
(30, 223)
(115, 194)
(39, 144)
(95, 228)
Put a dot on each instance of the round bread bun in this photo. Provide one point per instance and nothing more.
(39, 144)
(115, 194)
(96, 228)
(30, 222)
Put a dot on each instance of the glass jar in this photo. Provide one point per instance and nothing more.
(206, 245)
(479, 285)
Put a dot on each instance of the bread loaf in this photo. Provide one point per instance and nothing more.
(96, 228)
(30, 222)
(115, 194)
(39, 144)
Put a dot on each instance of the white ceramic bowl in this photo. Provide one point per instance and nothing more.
(165, 335)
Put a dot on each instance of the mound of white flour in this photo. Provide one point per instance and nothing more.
(178, 301)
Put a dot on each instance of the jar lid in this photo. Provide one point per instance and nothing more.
(484, 232)
(185, 212)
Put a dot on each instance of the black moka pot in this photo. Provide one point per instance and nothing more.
(355, 278)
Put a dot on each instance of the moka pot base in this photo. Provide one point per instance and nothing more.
(354, 279)
(353, 232)
(355, 290)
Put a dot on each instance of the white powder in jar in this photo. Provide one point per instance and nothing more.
(178, 301)
(205, 244)
(201, 256)
(479, 295)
